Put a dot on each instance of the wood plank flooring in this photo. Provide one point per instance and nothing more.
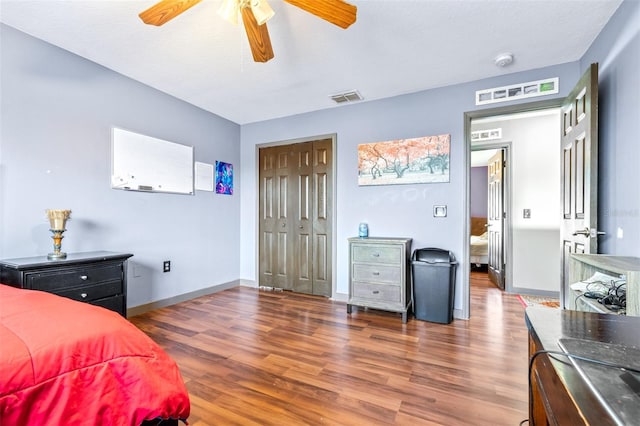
(254, 357)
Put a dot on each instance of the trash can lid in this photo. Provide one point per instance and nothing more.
(433, 255)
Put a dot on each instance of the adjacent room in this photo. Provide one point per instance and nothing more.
(318, 212)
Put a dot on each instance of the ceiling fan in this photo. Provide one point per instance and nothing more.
(255, 14)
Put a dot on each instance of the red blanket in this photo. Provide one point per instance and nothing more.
(66, 362)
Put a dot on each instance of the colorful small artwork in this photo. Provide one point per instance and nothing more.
(404, 161)
(224, 178)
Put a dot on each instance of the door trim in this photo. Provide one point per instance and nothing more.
(333, 137)
(468, 116)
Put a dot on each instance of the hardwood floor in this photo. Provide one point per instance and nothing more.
(278, 358)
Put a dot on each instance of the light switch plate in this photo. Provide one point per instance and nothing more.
(526, 213)
(439, 211)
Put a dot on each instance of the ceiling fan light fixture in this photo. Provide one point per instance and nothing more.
(229, 10)
(262, 11)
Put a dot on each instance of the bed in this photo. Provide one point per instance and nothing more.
(479, 244)
(67, 362)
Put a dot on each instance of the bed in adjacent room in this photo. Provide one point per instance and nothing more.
(479, 244)
(67, 362)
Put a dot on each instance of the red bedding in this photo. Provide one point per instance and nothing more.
(66, 362)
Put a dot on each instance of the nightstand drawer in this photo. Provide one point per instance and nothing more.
(62, 279)
(92, 292)
(377, 292)
(377, 273)
(373, 253)
(113, 303)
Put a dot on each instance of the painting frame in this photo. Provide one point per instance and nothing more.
(405, 161)
(224, 178)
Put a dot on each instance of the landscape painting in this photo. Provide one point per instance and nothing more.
(404, 161)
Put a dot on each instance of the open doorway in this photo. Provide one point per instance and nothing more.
(528, 137)
(489, 210)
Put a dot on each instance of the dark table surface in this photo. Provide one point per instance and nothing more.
(610, 339)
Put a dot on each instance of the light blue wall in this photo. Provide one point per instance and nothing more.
(479, 191)
(55, 149)
(402, 210)
(617, 50)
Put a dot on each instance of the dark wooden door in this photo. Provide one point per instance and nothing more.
(495, 219)
(302, 198)
(579, 173)
(274, 223)
(295, 217)
(322, 216)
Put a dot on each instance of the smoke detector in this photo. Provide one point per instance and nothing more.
(503, 59)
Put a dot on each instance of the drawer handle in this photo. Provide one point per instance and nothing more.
(83, 295)
(83, 277)
(376, 291)
(375, 254)
(376, 273)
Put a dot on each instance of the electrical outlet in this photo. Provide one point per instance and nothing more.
(526, 213)
(166, 266)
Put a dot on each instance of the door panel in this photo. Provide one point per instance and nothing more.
(579, 173)
(273, 222)
(301, 206)
(322, 223)
(268, 200)
(295, 217)
(495, 219)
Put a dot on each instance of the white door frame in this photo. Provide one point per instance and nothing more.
(468, 117)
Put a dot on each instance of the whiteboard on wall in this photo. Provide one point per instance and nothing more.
(143, 163)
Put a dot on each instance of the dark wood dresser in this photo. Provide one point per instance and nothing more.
(98, 277)
(575, 392)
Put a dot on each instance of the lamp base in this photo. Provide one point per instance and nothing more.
(56, 256)
(57, 244)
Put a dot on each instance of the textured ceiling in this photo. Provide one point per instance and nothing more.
(395, 47)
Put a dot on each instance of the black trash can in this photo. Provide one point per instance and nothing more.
(433, 272)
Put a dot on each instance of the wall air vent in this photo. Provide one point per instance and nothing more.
(352, 96)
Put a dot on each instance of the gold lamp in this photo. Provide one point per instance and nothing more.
(57, 221)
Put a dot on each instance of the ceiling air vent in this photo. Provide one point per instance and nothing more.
(352, 96)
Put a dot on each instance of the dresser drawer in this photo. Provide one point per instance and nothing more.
(113, 303)
(373, 253)
(92, 292)
(377, 292)
(377, 273)
(54, 281)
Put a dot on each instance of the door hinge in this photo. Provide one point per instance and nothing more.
(504, 215)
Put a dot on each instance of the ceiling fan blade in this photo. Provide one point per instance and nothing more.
(337, 12)
(166, 10)
(258, 36)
